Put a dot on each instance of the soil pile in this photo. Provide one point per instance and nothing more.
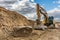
(11, 18)
(11, 21)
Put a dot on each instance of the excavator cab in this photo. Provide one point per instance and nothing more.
(50, 21)
(51, 18)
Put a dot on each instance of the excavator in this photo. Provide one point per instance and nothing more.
(48, 20)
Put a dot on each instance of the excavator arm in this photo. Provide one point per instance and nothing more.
(48, 20)
(45, 16)
(38, 15)
(39, 12)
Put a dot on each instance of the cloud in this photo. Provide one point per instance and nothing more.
(32, 0)
(57, 19)
(24, 6)
(55, 12)
(32, 16)
(7, 3)
(1, 0)
(57, 2)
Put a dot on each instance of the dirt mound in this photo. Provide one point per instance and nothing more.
(11, 18)
(11, 21)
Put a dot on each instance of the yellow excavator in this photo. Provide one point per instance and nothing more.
(25, 31)
(48, 20)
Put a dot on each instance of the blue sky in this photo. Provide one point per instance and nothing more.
(48, 4)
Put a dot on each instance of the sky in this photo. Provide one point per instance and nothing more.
(48, 4)
(28, 7)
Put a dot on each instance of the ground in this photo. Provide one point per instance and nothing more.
(49, 34)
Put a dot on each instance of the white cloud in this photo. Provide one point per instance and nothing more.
(57, 19)
(24, 7)
(58, 1)
(1, 0)
(32, 0)
(54, 10)
(56, 13)
(32, 16)
(7, 3)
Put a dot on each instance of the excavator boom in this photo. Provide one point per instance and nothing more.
(38, 14)
(48, 20)
(44, 13)
(37, 10)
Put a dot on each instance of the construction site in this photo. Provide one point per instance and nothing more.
(14, 26)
